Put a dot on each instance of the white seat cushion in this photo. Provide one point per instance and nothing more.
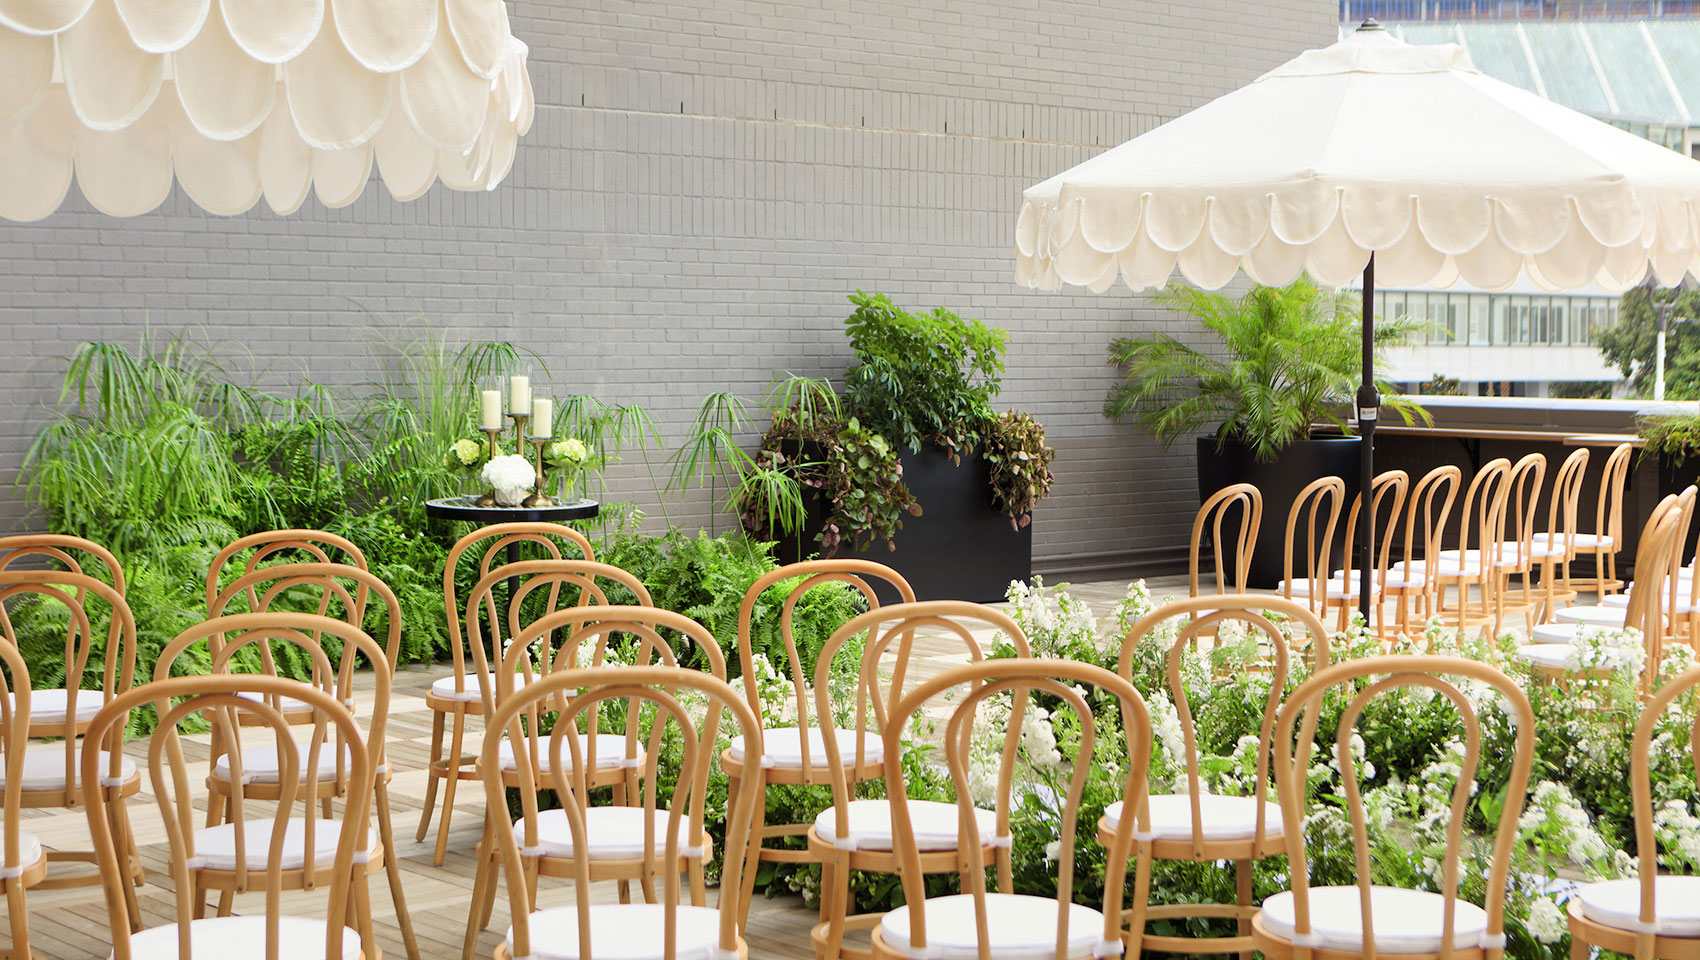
(610, 752)
(786, 748)
(1593, 615)
(1404, 921)
(1582, 541)
(29, 851)
(1019, 927)
(444, 688)
(1444, 567)
(1617, 903)
(48, 705)
(1539, 549)
(260, 763)
(1333, 588)
(1403, 579)
(624, 931)
(44, 769)
(935, 824)
(298, 938)
(1225, 818)
(616, 833)
(1619, 600)
(1546, 634)
(1557, 656)
(217, 845)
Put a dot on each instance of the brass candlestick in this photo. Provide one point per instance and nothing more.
(538, 498)
(490, 433)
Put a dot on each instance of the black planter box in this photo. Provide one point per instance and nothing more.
(1280, 482)
(959, 548)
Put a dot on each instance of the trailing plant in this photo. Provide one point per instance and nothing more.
(921, 378)
(1020, 463)
(1672, 435)
(1290, 357)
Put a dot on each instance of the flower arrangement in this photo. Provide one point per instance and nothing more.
(510, 477)
(467, 455)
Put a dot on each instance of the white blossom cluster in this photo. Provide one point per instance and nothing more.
(511, 472)
(1678, 832)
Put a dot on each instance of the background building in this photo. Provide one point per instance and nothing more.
(705, 183)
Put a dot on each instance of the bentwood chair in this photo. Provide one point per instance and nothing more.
(1605, 541)
(857, 834)
(1513, 555)
(1341, 591)
(328, 588)
(1232, 559)
(24, 862)
(1554, 548)
(1468, 568)
(1006, 925)
(231, 847)
(668, 930)
(48, 775)
(281, 546)
(1650, 915)
(1198, 825)
(271, 852)
(787, 762)
(74, 554)
(1369, 919)
(1317, 507)
(622, 835)
(1428, 508)
(458, 696)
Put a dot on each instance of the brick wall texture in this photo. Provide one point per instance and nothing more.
(705, 182)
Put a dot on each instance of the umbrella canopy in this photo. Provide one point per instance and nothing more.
(244, 98)
(1371, 144)
(1371, 156)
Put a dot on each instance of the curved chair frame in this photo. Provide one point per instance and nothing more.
(1560, 542)
(1394, 484)
(1608, 522)
(1215, 511)
(1319, 540)
(1440, 483)
(17, 876)
(1516, 556)
(1482, 516)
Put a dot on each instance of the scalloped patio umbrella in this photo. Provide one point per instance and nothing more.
(244, 98)
(1377, 158)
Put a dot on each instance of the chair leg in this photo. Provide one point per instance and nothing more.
(360, 902)
(835, 905)
(392, 867)
(438, 717)
(20, 917)
(449, 782)
(1242, 898)
(699, 884)
(492, 864)
(483, 876)
(1141, 901)
(119, 817)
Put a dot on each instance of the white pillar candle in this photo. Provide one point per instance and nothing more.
(542, 417)
(490, 409)
(519, 394)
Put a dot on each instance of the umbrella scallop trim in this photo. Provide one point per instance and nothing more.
(239, 99)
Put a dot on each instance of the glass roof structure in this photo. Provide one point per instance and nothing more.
(1631, 71)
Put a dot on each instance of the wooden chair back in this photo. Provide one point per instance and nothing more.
(1252, 611)
(588, 579)
(1528, 476)
(860, 575)
(14, 740)
(1019, 678)
(288, 546)
(1481, 520)
(1237, 555)
(178, 697)
(1653, 714)
(69, 553)
(88, 652)
(496, 545)
(1317, 507)
(1360, 681)
(1386, 505)
(1668, 588)
(578, 691)
(240, 635)
(894, 628)
(1429, 507)
(1566, 499)
(1608, 507)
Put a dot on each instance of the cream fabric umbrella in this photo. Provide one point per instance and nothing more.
(1371, 157)
(248, 98)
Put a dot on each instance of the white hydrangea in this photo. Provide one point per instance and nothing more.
(467, 451)
(1546, 921)
(511, 472)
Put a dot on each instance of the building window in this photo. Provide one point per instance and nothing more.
(1501, 319)
(1519, 320)
(1478, 318)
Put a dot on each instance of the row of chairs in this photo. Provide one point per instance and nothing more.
(555, 665)
(1505, 561)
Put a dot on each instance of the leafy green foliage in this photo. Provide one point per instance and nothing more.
(921, 378)
(1631, 344)
(1674, 435)
(1290, 357)
(1020, 463)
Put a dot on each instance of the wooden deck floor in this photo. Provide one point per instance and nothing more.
(72, 924)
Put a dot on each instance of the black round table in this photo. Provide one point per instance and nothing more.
(465, 508)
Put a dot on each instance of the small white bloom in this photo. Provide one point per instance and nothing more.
(1546, 921)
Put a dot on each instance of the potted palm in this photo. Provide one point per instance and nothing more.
(1289, 360)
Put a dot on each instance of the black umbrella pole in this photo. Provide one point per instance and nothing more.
(1369, 403)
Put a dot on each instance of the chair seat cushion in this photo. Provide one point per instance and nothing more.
(1539, 549)
(934, 823)
(1333, 588)
(615, 833)
(260, 763)
(216, 846)
(48, 704)
(444, 688)
(1020, 928)
(298, 938)
(1620, 602)
(29, 852)
(1617, 903)
(785, 747)
(610, 752)
(1225, 818)
(1559, 656)
(1404, 921)
(1444, 567)
(1582, 541)
(44, 769)
(1555, 633)
(1593, 615)
(624, 931)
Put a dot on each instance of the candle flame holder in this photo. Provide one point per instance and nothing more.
(490, 434)
(538, 498)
